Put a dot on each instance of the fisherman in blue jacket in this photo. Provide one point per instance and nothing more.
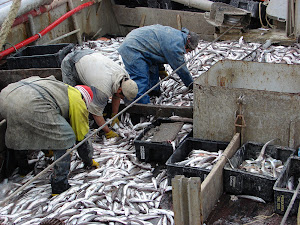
(145, 49)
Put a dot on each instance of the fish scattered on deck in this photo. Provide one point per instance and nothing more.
(98, 196)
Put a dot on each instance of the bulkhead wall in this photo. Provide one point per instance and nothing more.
(270, 94)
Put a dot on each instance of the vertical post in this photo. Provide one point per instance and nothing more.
(194, 199)
(142, 23)
(32, 27)
(179, 25)
(177, 200)
(186, 200)
(76, 26)
(297, 19)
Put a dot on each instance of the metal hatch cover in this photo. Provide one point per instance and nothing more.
(167, 132)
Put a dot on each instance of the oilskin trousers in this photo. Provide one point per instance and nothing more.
(59, 179)
(145, 76)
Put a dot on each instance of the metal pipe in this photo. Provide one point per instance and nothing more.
(265, 45)
(199, 4)
(63, 36)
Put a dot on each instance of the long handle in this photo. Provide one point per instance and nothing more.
(291, 204)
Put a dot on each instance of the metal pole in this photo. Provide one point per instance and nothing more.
(63, 36)
(266, 45)
(286, 214)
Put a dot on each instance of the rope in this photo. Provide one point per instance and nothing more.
(107, 122)
(228, 161)
(8, 22)
(10, 45)
(260, 16)
(270, 25)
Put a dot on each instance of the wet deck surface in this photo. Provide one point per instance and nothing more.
(244, 211)
(241, 211)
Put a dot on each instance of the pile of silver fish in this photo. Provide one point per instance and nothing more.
(200, 60)
(268, 167)
(201, 159)
(263, 164)
(121, 191)
(290, 183)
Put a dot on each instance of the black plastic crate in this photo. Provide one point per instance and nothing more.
(182, 152)
(283, 196)
(156, 152)
(39, 56)
(237, 181)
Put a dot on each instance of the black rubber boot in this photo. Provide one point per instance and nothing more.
(59, 187)
(22, 162)
(59, 180)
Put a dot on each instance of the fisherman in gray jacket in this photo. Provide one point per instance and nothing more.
(106, 79)
(46, 114)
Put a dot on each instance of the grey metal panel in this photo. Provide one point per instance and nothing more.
(11, 76)
(271, 97)
(253, 75)
(194, 21)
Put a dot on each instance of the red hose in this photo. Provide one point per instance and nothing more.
(46, 30)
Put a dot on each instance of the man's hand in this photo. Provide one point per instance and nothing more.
(115, 120)
(111, 134)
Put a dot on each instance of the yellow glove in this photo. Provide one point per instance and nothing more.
(95, 164)
(111, 134)
(163, 74)
(48, 153)
(115, 120)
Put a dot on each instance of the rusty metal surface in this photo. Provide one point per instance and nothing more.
(253, 75)
(194, 21)
(90, 20)
(271, 97)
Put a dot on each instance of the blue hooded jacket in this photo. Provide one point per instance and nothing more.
(145, 48)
